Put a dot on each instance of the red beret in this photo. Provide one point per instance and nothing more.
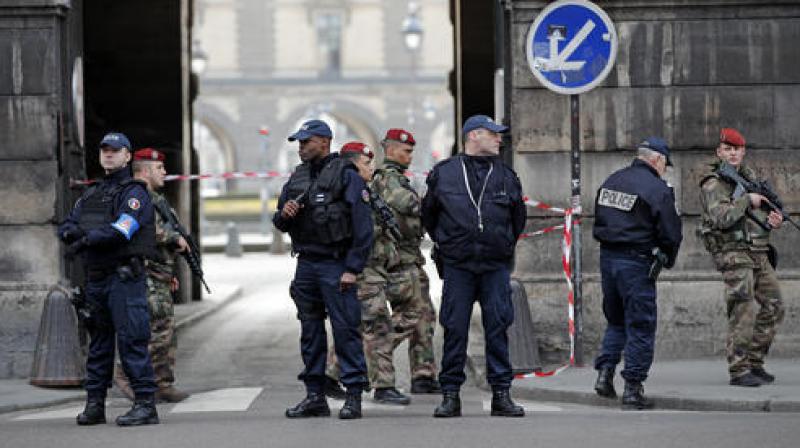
(400, 135)
(357, 147)
(148, 154)
(731, 136)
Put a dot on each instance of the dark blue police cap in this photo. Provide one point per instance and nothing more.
(115, 140)
(310, 128)
(658, 145)
(482, 121)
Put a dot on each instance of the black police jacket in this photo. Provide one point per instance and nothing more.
(474, 233)
(635, 210)
(117, 217)
(335, 220)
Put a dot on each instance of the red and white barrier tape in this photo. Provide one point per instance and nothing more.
(566, 250)
(232, 175)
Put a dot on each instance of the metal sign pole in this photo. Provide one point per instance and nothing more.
(575, 162)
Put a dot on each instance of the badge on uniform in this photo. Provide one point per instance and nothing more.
(365, 196)
(616, 199)
(134, 204)
(126, 225)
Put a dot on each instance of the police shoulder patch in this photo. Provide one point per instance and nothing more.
(616, 199)
(365, 196)
(134, 204)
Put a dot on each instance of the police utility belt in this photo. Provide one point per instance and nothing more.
(643, 251)
(126, 269)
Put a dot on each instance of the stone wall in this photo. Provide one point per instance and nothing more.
(682, 72)
(30, 105)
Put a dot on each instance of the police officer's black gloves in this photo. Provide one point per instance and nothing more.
(72, 235)
(77, 247)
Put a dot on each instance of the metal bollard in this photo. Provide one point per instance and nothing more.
(234, 246)
(59, 358)
(523, 348)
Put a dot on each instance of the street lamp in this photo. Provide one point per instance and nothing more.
(412, 28)
(199, 58)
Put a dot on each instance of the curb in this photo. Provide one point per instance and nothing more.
(182, 324)
(661, 402)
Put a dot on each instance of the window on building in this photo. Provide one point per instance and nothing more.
(329, 37)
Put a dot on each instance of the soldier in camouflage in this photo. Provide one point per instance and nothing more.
(413, 315)
(148, 165)
(740, 249)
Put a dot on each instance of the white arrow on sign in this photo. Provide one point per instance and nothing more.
(558, 60)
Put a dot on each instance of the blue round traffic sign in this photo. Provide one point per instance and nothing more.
(571, 46)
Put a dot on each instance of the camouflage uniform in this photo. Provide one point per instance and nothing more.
(163, 340)
(413, 315)
(739, 247)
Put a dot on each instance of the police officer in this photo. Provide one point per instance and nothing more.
(112, 225)
(148, 166)
(635, 215)
(377, 329)
(740, 248)
(324, 207)
(474, 212)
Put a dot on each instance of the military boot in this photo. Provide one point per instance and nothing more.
(352, 406)
(143, 412)
(390, 395)
(503, 406)
(633, 398)
(333, 389)
(450, 406)
(763, 375)
(170, 394)
(314, 405)
(95, 411)
(604, 386)
(746, 380)
(425, 386)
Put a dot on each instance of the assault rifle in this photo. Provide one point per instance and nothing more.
(191, 256)
(773, 203)
(387, 220)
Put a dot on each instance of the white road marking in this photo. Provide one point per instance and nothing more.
(529, 407)
(71, 412)
(222, 400)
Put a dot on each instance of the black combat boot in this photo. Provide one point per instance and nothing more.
(450, 407)
(425, 385)
(390, 395)
(95, 411)
(604, 386)
(503, 406)
(314, 405)
(633, 398)
(763, 375)
(333, 389)
(746, 380)
(352, 406)
(143, 412)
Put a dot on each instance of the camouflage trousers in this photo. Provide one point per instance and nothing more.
(412, 317)
(749, 280)
(163, 340)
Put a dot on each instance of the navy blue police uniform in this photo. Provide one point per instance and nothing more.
(473, 210)
(634, 213)
(113, 226)
(331, 235)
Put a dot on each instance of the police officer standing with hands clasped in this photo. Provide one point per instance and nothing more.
(639, 231)
(474, 212)
(112, 224)
(324, 207)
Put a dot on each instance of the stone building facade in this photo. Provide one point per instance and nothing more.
(683, 70)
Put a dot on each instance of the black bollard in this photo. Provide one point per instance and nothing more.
(59, 359)
(523, 347)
